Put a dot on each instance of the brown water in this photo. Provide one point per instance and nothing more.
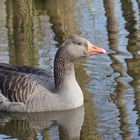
(31, 31)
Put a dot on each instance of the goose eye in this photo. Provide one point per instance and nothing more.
(79, 43)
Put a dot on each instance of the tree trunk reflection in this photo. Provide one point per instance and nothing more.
(133, 47)
(117, 66)
(20, 32)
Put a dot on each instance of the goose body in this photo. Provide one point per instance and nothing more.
(27, 89)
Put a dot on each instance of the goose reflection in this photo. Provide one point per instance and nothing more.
(28, 125)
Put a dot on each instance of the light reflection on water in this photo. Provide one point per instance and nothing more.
(111, 82)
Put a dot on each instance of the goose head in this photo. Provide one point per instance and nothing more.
(76, 47)
(72, 49)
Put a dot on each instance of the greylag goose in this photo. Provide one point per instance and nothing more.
(26, 89)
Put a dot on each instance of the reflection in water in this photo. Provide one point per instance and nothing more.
(3, 34)
(89, 128)
(27, 125)
(117, 66)
(61, 16)
(20, 32)
(34, 27)
(133, 47)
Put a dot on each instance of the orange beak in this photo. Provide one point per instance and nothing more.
(93, 50)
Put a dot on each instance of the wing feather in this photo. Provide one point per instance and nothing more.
(25, 69)
(17, 83)
(16, 86)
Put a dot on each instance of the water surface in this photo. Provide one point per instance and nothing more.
(32, 30)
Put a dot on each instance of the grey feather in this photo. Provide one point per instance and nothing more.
(27, 89)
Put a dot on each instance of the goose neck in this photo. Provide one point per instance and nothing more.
(63, 70)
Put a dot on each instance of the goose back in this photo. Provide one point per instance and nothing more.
(18, 83)
(26, 69)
